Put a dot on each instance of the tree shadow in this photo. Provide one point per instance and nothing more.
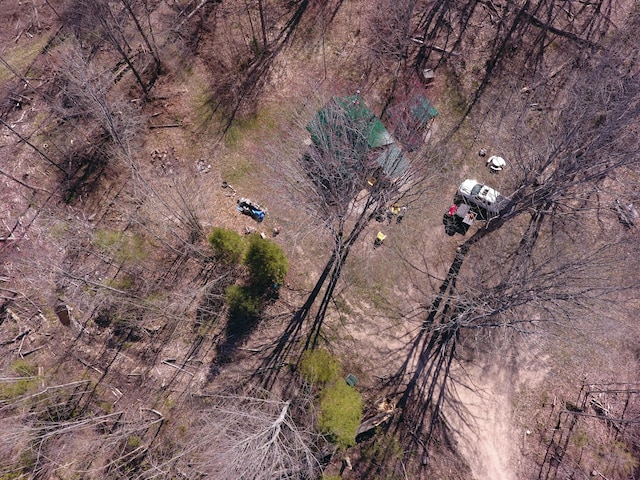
(293, 333)
(526, 31)
(229, 97)
(246, 310)
(428, 366)
(89, 169)
(268, 370)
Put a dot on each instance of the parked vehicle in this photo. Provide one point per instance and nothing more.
(484, 200)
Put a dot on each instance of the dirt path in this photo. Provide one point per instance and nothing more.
(482, 420)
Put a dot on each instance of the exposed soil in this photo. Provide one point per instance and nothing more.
(176, 351)
(486, 435)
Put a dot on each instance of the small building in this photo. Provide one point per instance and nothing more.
(410, 115)
(347, 131)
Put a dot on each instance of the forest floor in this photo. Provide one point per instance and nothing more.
(369, 323)
(380, 302)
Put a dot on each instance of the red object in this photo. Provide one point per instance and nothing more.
(453, 209)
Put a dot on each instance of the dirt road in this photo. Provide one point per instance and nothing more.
(482, 420)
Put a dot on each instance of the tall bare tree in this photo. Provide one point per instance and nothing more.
(117, 24)
(247, 436)
(347, 171)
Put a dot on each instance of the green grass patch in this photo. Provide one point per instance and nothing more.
(124, 282)
(342, 305)
(59, 231)
(17, 388)
(203, 107)
(133, 249)
(262, 121)
(123, 248)
(238, 131)
(237, 171)
(26, 461)
(233, 137)
(377, 298)
(134, 442)
(580, 439)
(153, 298)
(21, 57)
(107, 407)
(386, 449)
(340, 413)
(106, 239)
(372, 285)
(24, 368)
(25, 382)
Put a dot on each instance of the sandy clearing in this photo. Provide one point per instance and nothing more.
(484, 431)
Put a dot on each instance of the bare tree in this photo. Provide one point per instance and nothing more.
(421, 35)
(41, 424)
(550, 259)
(347, 171)
(87, 17)
(253, 437)
(86, 90)
(391, 37)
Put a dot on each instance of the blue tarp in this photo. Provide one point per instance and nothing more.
(247, 207)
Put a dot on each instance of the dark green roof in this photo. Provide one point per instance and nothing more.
(328, 125)
(357, 113)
